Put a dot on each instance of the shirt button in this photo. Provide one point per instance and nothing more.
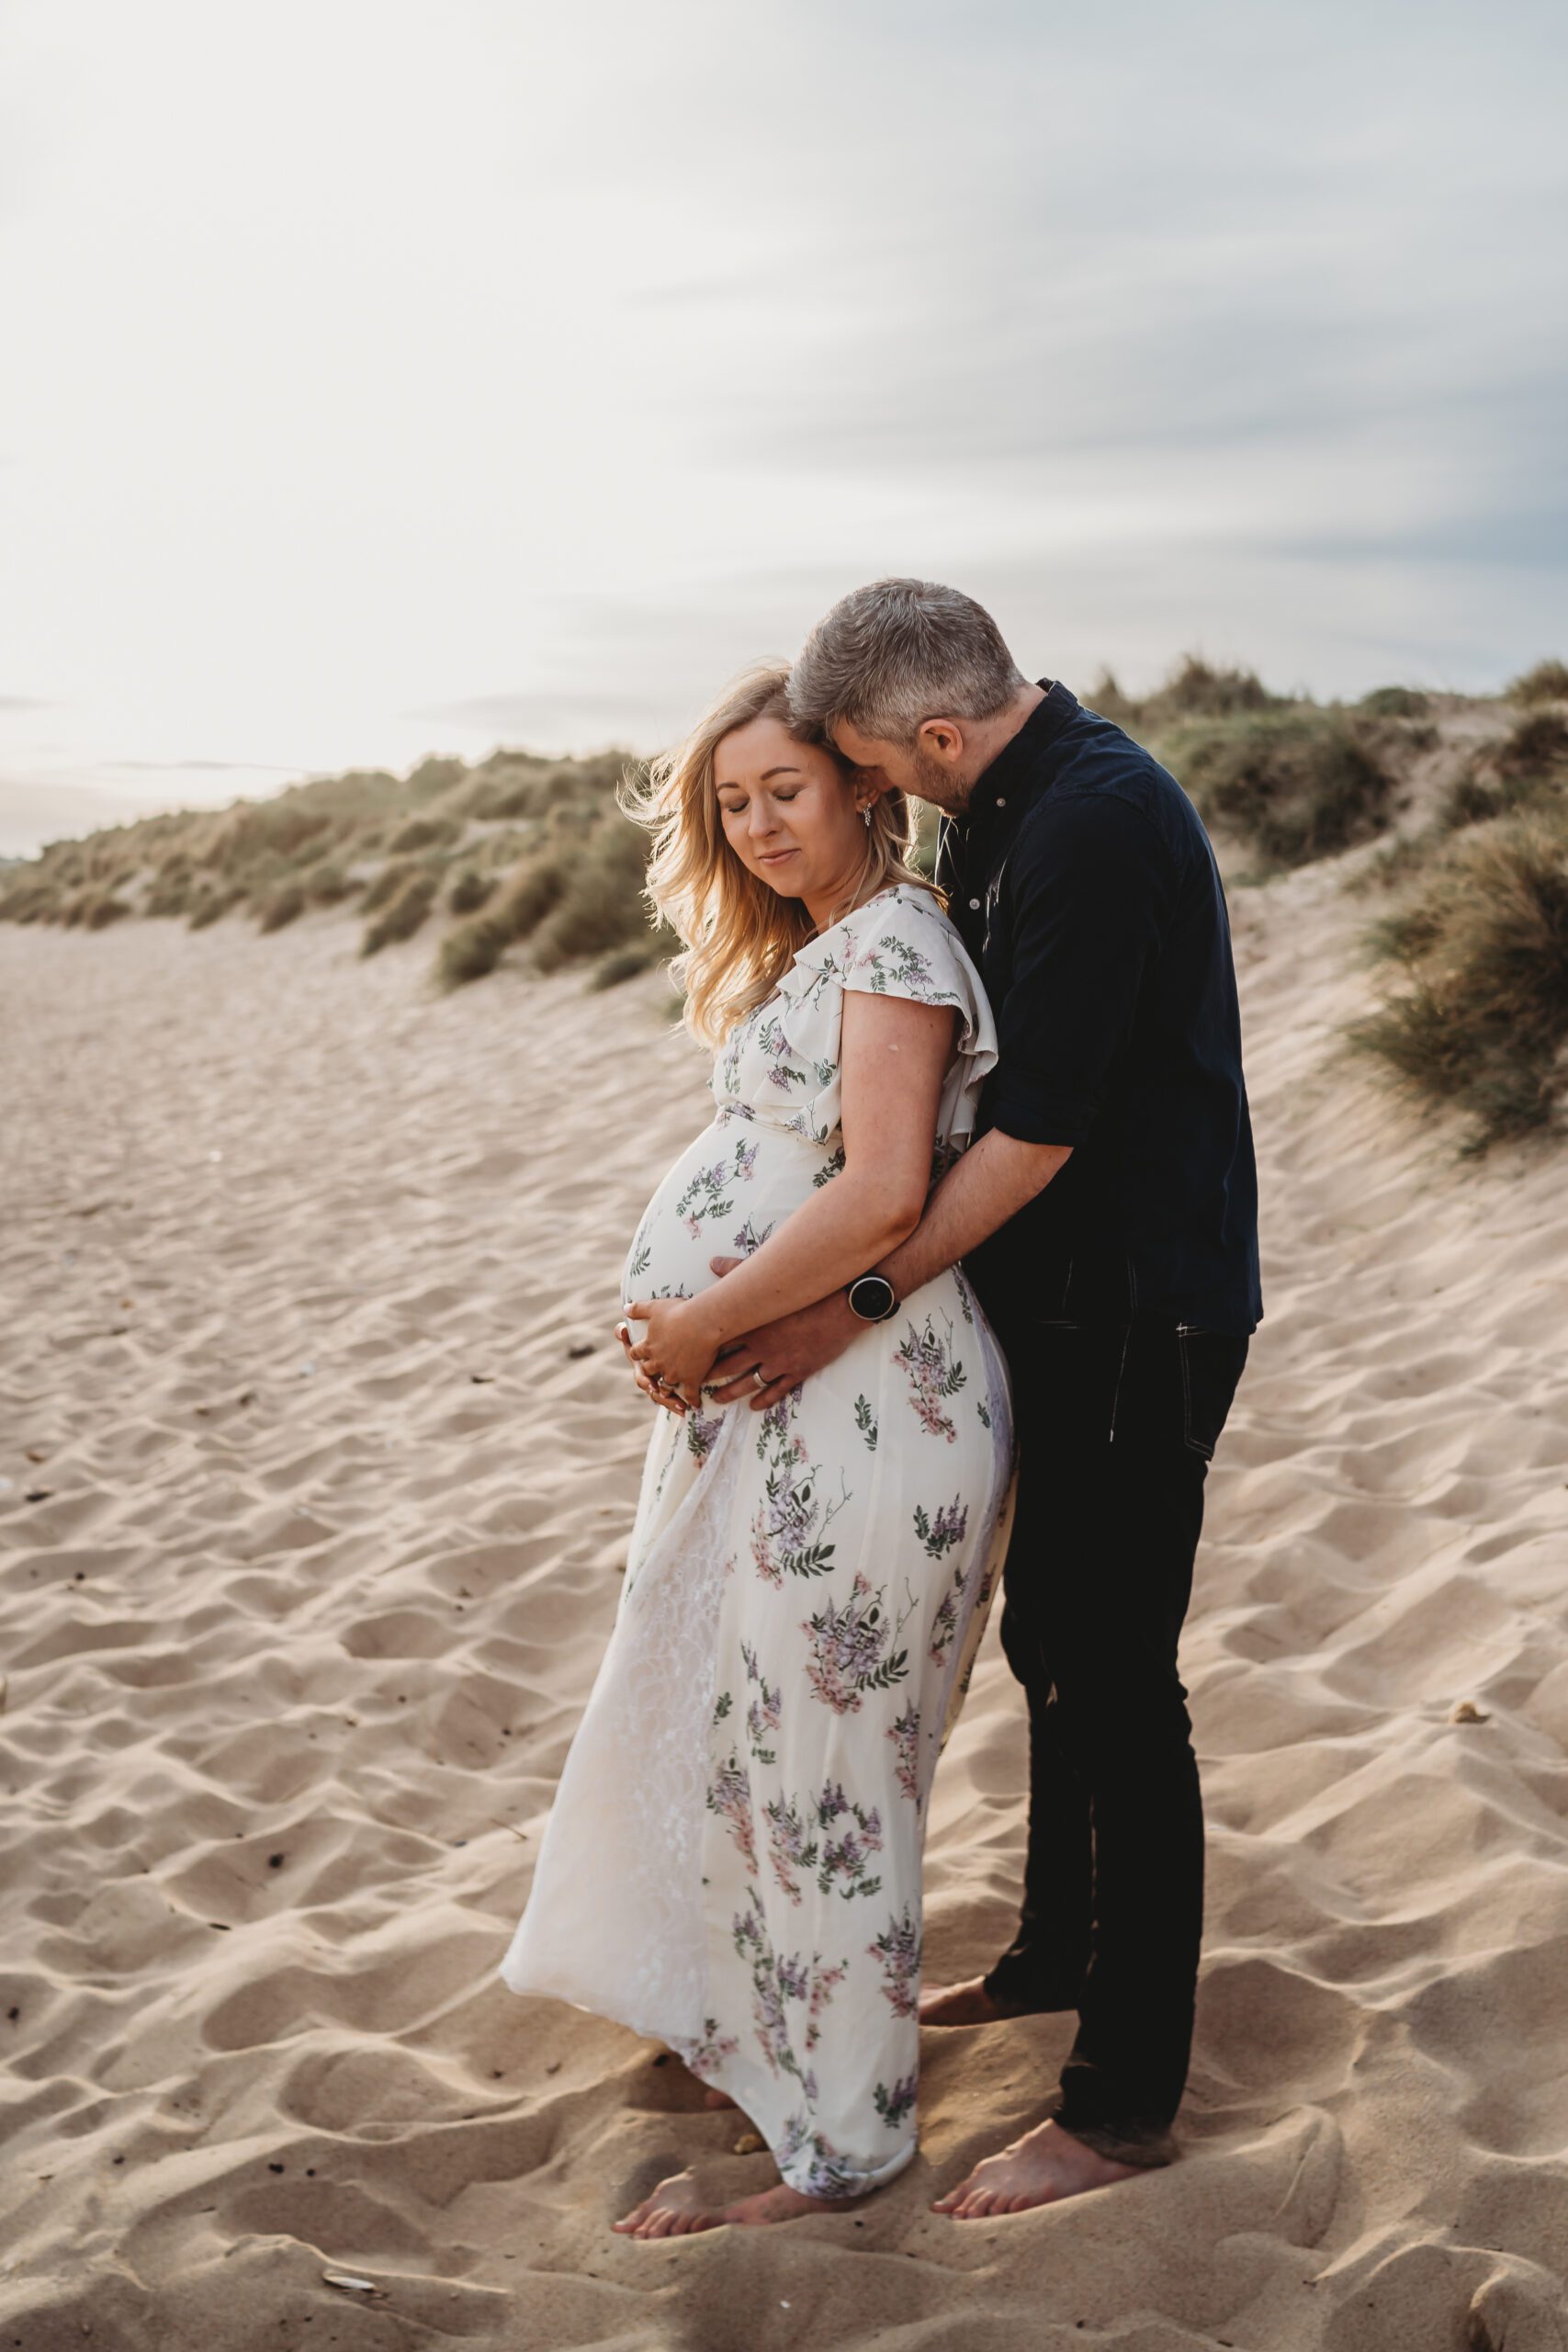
(975, 902)
(1001, 800)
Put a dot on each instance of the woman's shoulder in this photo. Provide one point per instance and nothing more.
(903, 942)
(900, 905)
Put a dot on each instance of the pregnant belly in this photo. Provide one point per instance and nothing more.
(729, 1189)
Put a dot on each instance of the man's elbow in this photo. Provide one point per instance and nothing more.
(1032, 1165)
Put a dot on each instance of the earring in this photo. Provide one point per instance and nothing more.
(866, 816)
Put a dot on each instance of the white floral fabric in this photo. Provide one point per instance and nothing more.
(733, 1860)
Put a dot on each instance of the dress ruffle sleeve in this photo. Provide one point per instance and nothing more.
(900, 944)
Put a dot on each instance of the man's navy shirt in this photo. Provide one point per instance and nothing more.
(1086, 889)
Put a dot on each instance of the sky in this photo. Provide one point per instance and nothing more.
(383, 377)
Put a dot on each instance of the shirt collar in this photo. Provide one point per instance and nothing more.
(1011, 770)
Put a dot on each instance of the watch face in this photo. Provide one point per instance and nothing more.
(872, 1297)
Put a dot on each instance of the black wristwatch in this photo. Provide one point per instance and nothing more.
(872, 1297)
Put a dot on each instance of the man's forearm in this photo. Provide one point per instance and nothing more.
(985, 1186)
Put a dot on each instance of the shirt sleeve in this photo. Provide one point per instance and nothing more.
(1092, 892)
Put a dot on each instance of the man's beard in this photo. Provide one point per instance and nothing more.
(934, 781)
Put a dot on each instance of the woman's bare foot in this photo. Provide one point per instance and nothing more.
(1046, 2164)
(679, 2207)
(970, 2004)
(717, 2098)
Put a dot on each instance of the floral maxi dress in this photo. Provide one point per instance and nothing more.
(733, 1860)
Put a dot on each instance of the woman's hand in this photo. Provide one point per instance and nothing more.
(678, 1346)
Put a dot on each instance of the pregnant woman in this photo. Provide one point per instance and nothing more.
(733, 1860)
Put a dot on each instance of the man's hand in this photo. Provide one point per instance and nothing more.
(786, 1352)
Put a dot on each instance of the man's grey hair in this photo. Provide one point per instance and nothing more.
(897, 652)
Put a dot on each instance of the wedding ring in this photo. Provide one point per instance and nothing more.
(759, 1377)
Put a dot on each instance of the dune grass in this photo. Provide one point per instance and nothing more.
(528, 858)
(1475, 1011)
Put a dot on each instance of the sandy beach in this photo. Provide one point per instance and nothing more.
(319, 1460)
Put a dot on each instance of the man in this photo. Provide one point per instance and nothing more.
(1107, 1215)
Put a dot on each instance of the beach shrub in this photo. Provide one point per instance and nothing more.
(1478, 1014)
(1293, 785)
(284, 906)
(470, 950)
(622, 964)
(433, 776)
(97, 913)
(386, 884)
(402, 916)
(327, 885)
(1395, 702)
(425, 833)
(1548, 681)
(468, 890)
(1527, 769)
(1196, 690)
(535, 891)
(601, 906)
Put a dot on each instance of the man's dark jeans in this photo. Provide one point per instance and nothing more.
(1116, 1424)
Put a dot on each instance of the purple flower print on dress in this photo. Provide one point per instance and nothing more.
(934, 1373)
(840, 1861)
(825, 1982)
(730, 1795)
(790, 1846)
(846, 1857)
(702, 1431)
(707, 1192)
(763, 1715)
(898, 1949)
(890, 958)
(772, 1041)
(790, 1523)
(706, 2055)
(894, 2105)
(948, 1528)
(826, 2173)
(905, 1734)
(776, 1979)
(849, 1649)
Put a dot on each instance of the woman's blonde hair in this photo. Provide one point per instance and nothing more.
(738, 936)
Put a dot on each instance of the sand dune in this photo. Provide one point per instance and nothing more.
(308, 1284)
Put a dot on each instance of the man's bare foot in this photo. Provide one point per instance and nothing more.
(1046, 2164)
(970, 2004)
(679, 2207)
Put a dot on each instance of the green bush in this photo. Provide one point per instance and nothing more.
(425, 833)
(98, 912)
(1293, 785)
(1528, 770)
(327, 885)
(469, 891)
(284, 906)
(386, 884)
(1548, 681)
(533, 892)
(470, 950)
(1478, 1014)
(602, 905)
(1196, 690)
(404, 916)
(1395, 702)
